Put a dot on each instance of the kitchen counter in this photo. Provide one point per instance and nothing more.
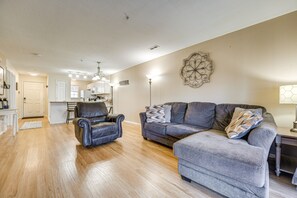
(63, 101)
(58, 111)
(76, 101)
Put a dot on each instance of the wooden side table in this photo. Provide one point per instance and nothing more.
(284, 163)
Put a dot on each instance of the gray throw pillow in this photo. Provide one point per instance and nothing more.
(167, 110)
(243, 121)
(155, 113)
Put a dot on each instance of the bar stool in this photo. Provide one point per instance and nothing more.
(70, 108)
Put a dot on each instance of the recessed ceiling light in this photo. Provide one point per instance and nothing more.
(77, 75)
(85, 76)
(70, 75)
(33, 74)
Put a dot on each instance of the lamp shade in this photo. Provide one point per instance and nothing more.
(288, 94)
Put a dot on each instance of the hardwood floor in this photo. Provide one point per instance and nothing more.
(49, 162)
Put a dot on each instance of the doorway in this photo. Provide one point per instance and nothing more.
(33, 99)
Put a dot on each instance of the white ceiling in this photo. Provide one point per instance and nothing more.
(65, 31)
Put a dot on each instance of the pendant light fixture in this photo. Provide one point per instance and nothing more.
(99, 75)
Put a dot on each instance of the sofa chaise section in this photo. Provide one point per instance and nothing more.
(236, 159)
(233, 168)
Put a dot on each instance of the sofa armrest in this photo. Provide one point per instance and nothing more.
(264, 135)
(142, 116)
(118, 119)
(82, 128)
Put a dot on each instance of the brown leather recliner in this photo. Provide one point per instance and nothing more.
(94, 126)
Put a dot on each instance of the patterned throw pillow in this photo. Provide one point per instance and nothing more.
(243, 121)
(155, 113)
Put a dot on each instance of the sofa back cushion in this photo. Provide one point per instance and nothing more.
(91, 109)
(200, 114)
(178, 110)
(224, 113)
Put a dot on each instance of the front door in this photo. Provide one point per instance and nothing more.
(33, 99)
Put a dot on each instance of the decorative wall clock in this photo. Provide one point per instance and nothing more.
(196, 70)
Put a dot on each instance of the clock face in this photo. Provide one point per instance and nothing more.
(196, 70)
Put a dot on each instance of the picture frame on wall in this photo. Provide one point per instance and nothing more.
(1, 80)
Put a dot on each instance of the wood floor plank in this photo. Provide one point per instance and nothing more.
(50, 162)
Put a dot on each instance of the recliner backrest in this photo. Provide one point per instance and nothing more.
(91, 109)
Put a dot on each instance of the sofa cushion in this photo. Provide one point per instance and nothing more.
(159, 128)
(213, 151)
(243, 121)
(178, 110)
(103, 129)
(200, 114)
(224, 114)
(182, 130)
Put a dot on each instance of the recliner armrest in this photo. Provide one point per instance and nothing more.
(83, 130)
(118, 119)
(264, 135)
(82, 122)
(115, 118)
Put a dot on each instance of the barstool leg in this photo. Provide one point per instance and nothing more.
(67, 119)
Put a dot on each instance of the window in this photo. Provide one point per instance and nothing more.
(74, 91)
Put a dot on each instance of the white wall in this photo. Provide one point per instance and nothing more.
(250, 65)
(8, 66)
(52, 79)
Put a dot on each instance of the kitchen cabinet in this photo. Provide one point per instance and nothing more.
(98, 88)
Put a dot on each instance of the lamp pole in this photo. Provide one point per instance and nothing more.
(150, 82)
(111, 90)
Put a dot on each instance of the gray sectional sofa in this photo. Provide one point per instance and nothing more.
(231, 167)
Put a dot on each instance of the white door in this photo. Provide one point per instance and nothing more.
(33, 99)
(60, 90)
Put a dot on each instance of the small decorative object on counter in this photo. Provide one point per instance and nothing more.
(5, 103)
(1, 103)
